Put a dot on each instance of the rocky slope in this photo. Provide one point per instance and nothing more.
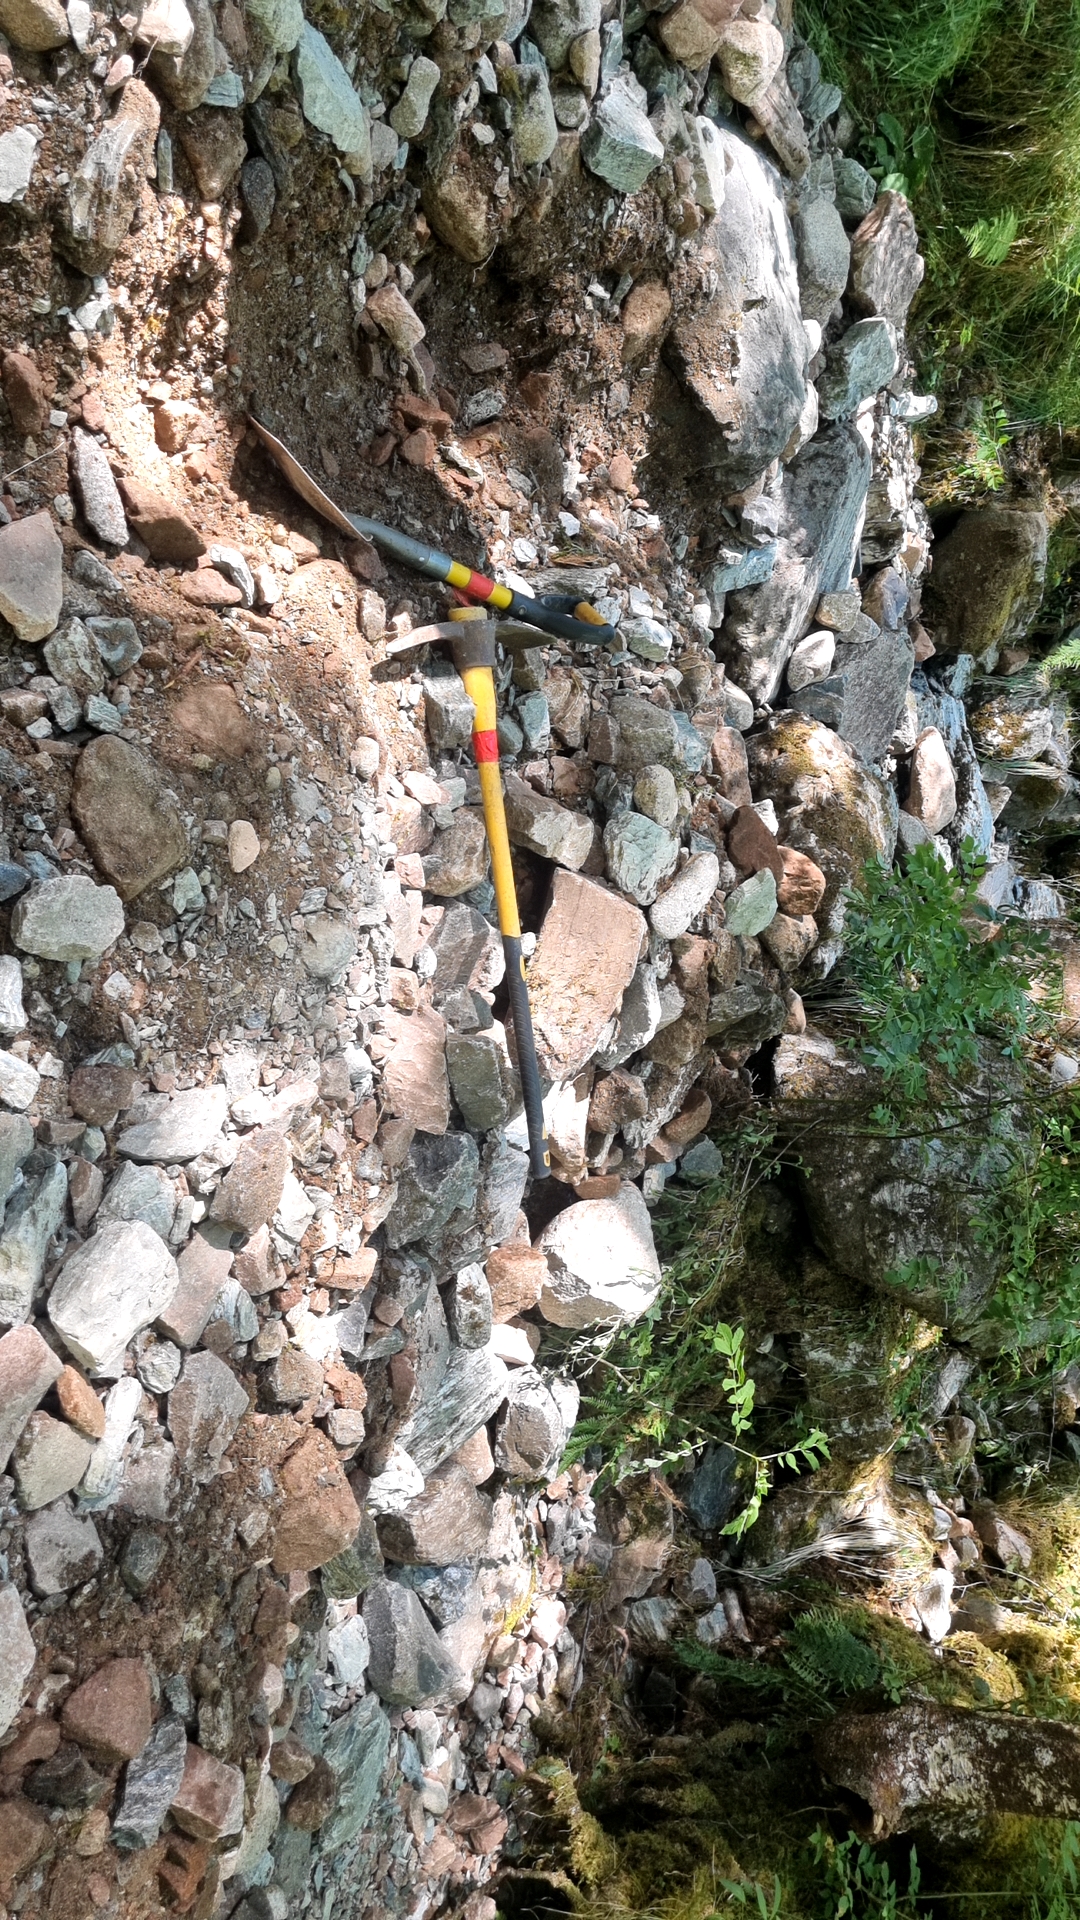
(594, 299)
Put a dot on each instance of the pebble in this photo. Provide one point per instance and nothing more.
(687, 897)
(19, 1081)
(12, 1012)
(18, 154)
(244, 848)
(17, 1655)
(178, 1126)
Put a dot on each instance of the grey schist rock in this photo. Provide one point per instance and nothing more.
(150, 1786)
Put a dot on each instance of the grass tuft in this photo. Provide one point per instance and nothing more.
(991, 92)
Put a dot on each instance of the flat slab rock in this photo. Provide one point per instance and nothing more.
(585, 959)
(926, 1760)
(175, 1126)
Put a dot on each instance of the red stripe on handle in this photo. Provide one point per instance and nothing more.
(480, 586)
(486, 745)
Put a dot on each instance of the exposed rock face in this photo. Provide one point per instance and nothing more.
(743, 358)
(572, 996)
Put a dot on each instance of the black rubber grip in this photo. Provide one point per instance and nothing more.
(528, 1068)
(562, 625)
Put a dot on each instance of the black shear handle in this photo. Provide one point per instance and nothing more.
(563, 626)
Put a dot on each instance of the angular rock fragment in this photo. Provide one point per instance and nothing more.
(96, 490)
(743, 357)
(179, 1127)
(206, 1406)
(151, 1784)
(533, 1430)
(356, 1750)
(471, 1388)
(319, 1516)
(68, 918)
(28, 1368)
(886, 266)
(545, 827)
(17, 1655)
(620, 144)
(105, 189)
(112, 1712)
(209, 1802)
(439, 1175)
(33, 1216)
(449, 1522)
(110, 1289)
(202, 1272)
(250, 1193)
(62, 1551)
(409, 1666)
(415, 1084)
(49, 1459)
(931, 795)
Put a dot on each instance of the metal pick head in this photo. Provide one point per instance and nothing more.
(453, 630)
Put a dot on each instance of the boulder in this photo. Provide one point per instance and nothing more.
(889, 1211)
(988, 579)
(602, 1263)
(822, 500)
(829, 805)
(742, 359)
(415, 1083)
(924, 1763)
(319, 1516)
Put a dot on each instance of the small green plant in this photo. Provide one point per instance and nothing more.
(986, 440)
(901, 165)
(858, 1885)
(751, 1894)
(991, 240)
(930, 981)
(1034, 1226)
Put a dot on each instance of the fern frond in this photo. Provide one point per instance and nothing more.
(990, 241)
(825, 1653)
(1066, 657)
